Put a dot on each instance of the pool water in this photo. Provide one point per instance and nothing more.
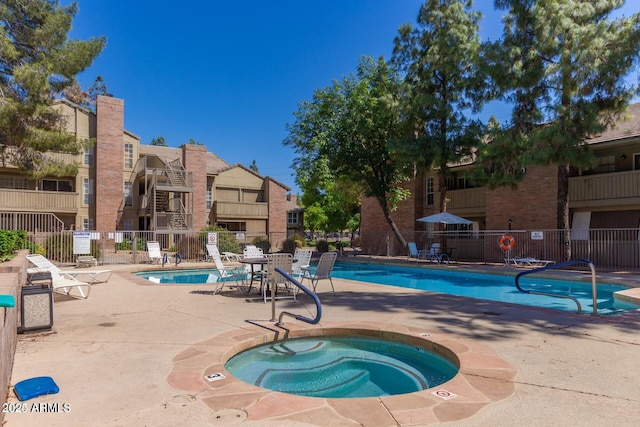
(345, 366)
(489, 286)
(183, 277)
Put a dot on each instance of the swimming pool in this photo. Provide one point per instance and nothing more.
(472, 285)
(488, 286)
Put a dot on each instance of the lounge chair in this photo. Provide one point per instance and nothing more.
(527, 262)
(94, 276)
(153, 248)
(301, 261)
(436, 254)
(323, 271)
(226, 272)
(414, 252)
(68, 285)
(273, 279)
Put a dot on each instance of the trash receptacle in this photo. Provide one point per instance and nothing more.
(36, 308)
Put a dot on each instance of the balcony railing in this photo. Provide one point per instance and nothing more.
(616, 187)
(466, 199)
(39, 201)
(241, 210)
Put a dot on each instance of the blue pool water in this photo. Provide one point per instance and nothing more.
(345, 366)
(473, 285)
(182, 277)
(489, 286)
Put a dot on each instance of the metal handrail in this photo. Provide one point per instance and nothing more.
(594, 288)
(307, 291)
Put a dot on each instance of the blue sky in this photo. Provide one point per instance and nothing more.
(230, 74)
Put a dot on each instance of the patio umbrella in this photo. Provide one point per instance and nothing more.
(444, 218)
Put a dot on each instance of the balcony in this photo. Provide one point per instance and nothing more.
(607, 189)
(39, 201)
(469, 198)
(241, 210)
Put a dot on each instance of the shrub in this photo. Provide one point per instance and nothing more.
(322, 246)
(262, 244)
(290, 246)
(11, 240)
(226, 240)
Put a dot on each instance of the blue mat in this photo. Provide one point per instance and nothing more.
(34, 387)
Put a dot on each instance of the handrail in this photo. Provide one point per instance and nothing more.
(594, 288)
(307, 291)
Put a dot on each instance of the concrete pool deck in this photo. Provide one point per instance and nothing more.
(135, 354)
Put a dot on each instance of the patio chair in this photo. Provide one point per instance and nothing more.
(226, 272)
(323, 271)
(436, 254)
(153, 248)
(274, 280)
(94, 276)
(61, 282)
(414, 252)
(301, 261)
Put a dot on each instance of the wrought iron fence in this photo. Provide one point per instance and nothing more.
(130, 247)
(607, 248)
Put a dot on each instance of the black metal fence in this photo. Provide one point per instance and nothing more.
(607, 248)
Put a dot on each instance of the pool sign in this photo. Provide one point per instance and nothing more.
(212, 238)
(215, 377)
(444, 394)
(81, 243)
(537, 235)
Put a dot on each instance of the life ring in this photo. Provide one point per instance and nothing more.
(506, 242)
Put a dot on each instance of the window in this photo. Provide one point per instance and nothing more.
(128, 156)
(209, 198)
(128, 193)
(430, 194)
(636, 161)
(292, 218)
(56, 185)
(88, 156)
(87, 191)
(14, 182)
(87, 224)
(128, 224)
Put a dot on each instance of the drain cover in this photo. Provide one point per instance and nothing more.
(226, 417)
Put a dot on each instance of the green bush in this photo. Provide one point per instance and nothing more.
(263, 244)
(322, 246)
(226, 240)
(11, 240)
(290, 246)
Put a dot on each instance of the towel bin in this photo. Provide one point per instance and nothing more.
(36, 308)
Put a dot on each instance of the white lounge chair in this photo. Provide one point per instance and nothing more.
(414, 252)
(527, 262)
(226, 272)
(153, 248)
(92, 276)
(62, 283)
(323, 270)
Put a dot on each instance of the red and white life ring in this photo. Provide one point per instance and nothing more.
(506, 242)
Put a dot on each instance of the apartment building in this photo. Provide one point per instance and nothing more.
(604, 197)
(122, 184)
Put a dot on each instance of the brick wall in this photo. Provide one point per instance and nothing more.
(109, 151)
(277, 223)
(12, 275)
(533, 205)
(194, 158)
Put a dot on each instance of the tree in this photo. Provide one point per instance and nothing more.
(562, 64)
(440, 59)
(254, 167)
(159, 141)
(37, 63)
(315, 219)
(343, 135)
(86, 99)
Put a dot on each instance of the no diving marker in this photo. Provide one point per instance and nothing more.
(215, 377)
(444, 394)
